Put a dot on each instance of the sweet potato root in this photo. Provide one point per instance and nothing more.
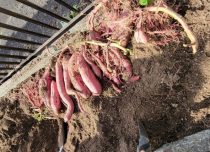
(55, 98)
(68, 85)
(88, 77)
(94, 67)
(45, 87)
(75, 77)
(61, 89)
(140, 36)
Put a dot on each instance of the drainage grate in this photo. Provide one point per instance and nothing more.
(27, 43)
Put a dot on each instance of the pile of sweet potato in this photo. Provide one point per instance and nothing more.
(103, 54)
(156, 24)
(79, 72)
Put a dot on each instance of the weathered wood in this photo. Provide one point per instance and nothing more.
(28, 3)
(66, 5)
(50, 41)
(16, 49)
(20, 16)
(44, 59)
(19, 40)
(11, 27)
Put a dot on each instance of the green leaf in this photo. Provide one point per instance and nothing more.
(144, 2)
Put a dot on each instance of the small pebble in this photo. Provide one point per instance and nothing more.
(174, 105)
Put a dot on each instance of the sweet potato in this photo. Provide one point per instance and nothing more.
(55, 98)
(45, 87)
(125, 63)
(66, 77)
(68, 85)
(88, 77)
(61, 89)
(94, 67)
(75, 77)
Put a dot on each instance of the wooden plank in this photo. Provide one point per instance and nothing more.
(19, 40)
(66, 5)
(50, 41)
(42, 60)
(3, 55)
(16, 49)
(11, 27)
(20, 16)
(28, 3)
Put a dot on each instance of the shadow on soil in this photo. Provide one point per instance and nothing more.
(20, 132)
(163, 100)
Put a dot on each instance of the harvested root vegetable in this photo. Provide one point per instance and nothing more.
(94, 67)
(102, 66)
(31, 91)
(55, 98)
(68, 85)
(93, 35)
(63, 59)
(139, 34)
(93, 13)
(126, 72)
(45, 87)
(88, 76)
(76, 78)
(125, 66)
(62, 91)
(113, 19)
(66, 77)
(113, 63)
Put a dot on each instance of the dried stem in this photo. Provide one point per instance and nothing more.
(180, 19)
(125, 50)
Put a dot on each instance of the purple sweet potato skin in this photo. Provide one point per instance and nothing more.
(55, 98)
(62, 91)
(88, 76)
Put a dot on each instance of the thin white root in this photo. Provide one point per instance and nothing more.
(180, 19)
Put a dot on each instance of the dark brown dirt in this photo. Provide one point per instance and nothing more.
(20, 132)
(172, 100)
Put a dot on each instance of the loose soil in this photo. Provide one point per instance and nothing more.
(172, 100)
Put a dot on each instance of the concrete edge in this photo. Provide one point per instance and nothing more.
(199, 142)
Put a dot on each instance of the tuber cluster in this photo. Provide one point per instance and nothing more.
(79, 71)
(79, 74)
(156, 24)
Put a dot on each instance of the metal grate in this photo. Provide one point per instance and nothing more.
(18, 51)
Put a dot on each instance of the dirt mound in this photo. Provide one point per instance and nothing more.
(164, 100)
(172, 100)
